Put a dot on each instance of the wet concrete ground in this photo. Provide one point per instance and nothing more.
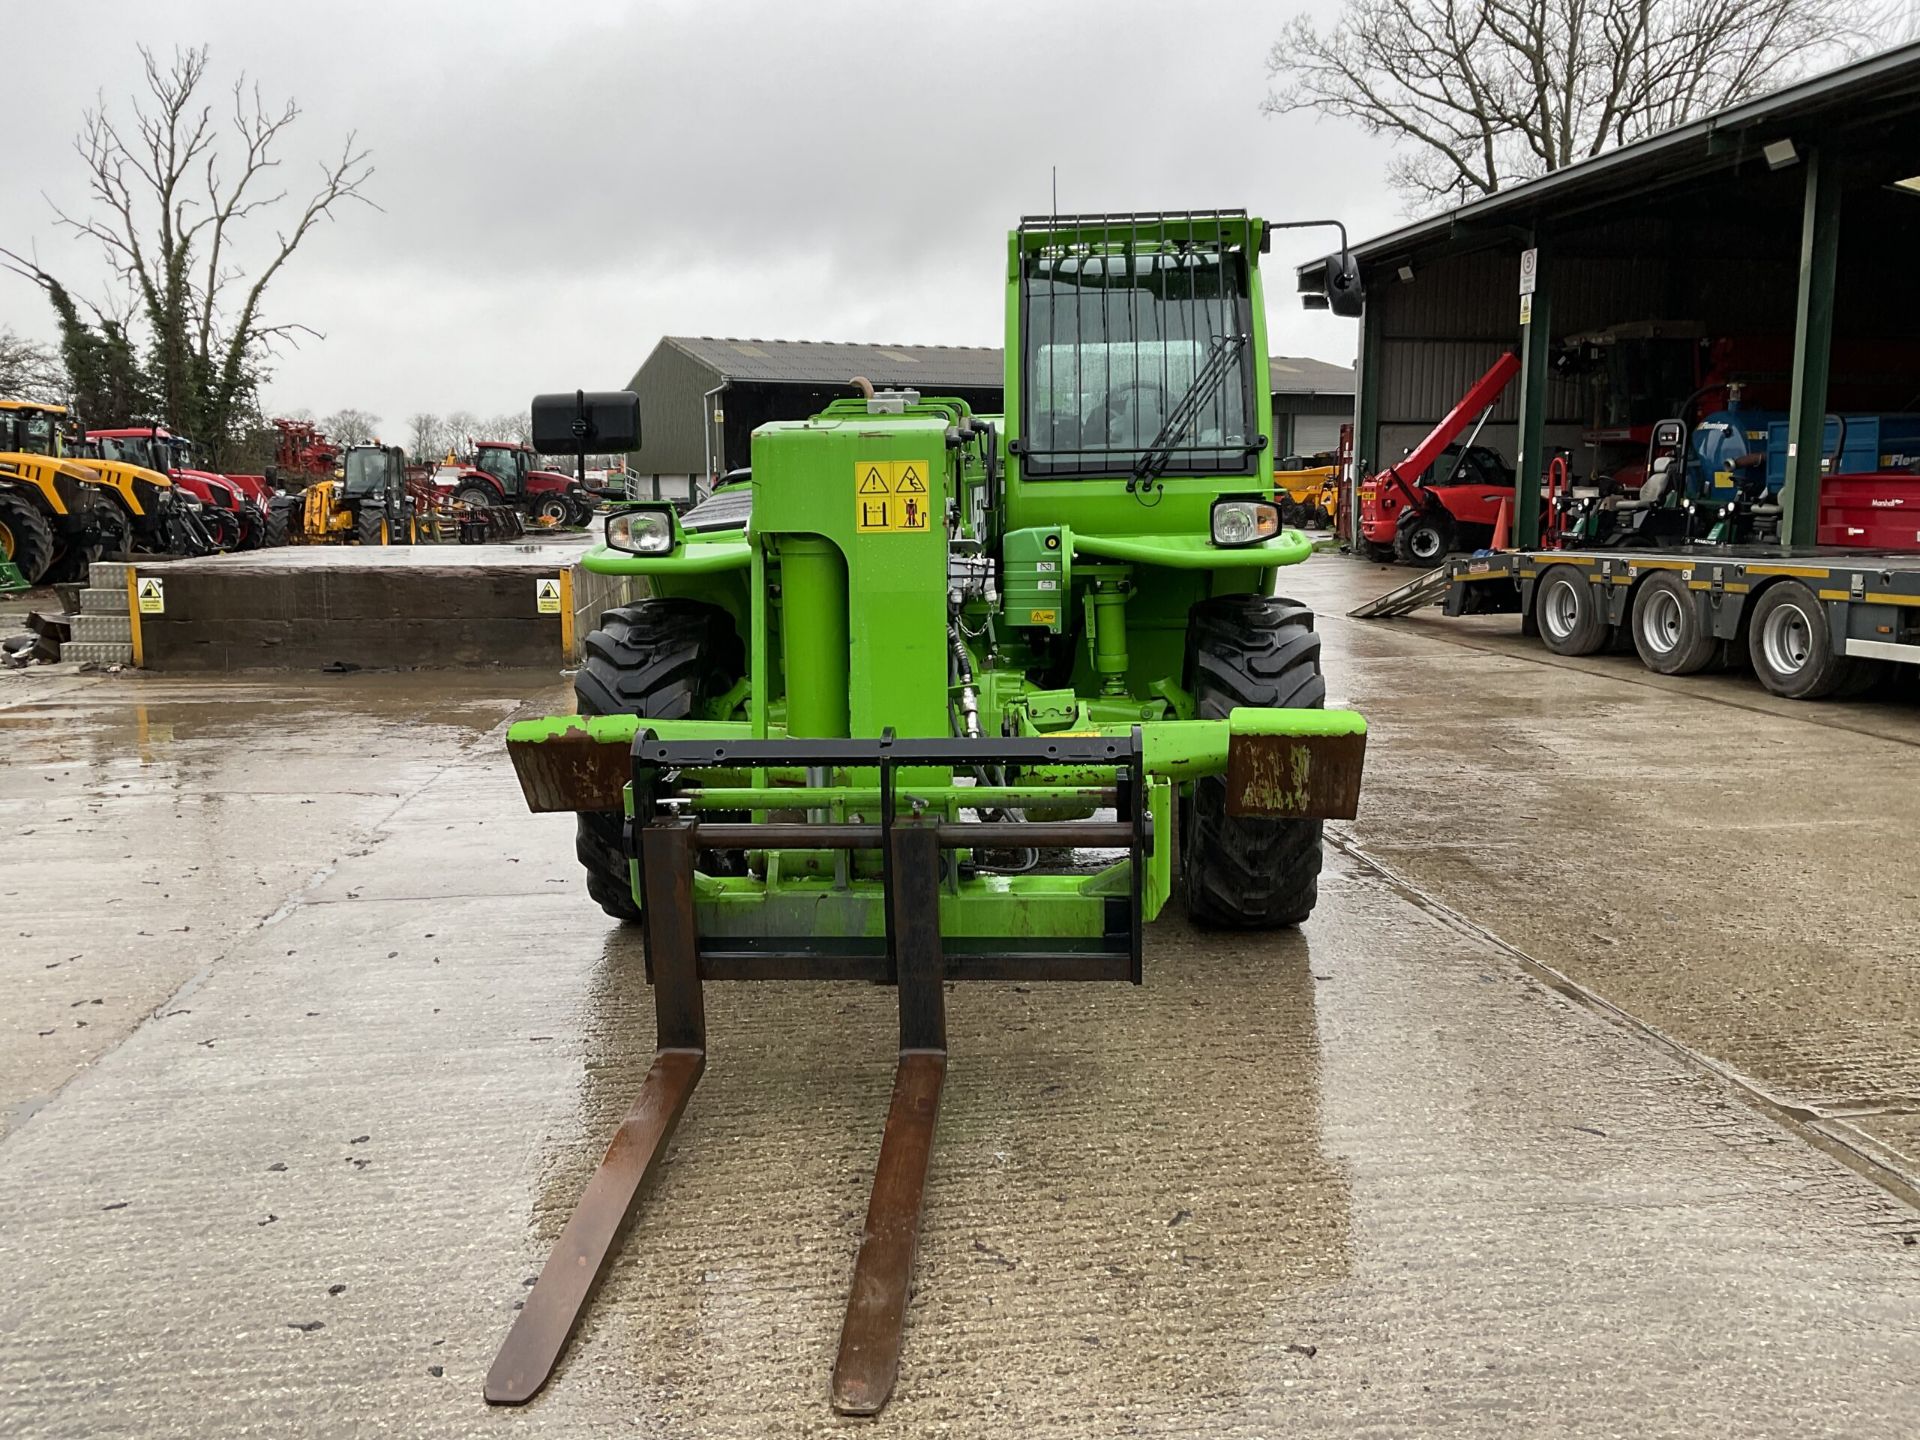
(1728, 867)
(1377, 1177)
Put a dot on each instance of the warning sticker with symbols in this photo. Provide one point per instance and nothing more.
(153, 596)
(890, 497)
(546, 595)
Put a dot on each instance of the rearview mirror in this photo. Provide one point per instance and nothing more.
(1346, 297)
(586, 421)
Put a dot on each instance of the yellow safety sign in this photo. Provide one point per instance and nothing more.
(546, 594)
(153, 596)
(890, 497)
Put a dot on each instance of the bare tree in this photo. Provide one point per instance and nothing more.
(30, 370)
(463, 428)
(351, 427)
(1481, 93)
(516, 427)
(171, 200)
(423, 436)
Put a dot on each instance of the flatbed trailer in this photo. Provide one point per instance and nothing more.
(1813, 622)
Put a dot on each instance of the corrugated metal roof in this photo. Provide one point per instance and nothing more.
(1298, 375)
(1865, 89)
(924, 367)
(824, 362)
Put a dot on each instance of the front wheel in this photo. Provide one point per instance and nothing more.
(1249, 872)
(1423, 539)
(370, 527)
(477, 497)
(223, 529)
(25, 537)
(662, 659)
(554, 510)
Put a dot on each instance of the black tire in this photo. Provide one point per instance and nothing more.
(1792, 647)
(252, 536)
(1568, 612)
(556, 508)
(279, 521)
(1668, 631)
(115, 531)
(477, 496)
(369, 526)
(1425, 538)
(1245, 872)
(1378, 553)
(25, 536)
(223, 529)
(663, 659)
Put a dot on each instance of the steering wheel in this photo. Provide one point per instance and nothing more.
(1103, 413)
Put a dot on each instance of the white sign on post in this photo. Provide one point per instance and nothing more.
(1529, 271)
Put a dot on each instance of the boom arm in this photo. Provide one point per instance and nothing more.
(1485, 391)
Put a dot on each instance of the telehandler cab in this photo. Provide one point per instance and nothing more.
(934, 698)
(370, 502)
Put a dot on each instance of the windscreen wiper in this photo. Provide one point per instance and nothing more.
(1220, 361)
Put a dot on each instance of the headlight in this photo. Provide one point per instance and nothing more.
(1244, 522)
(641, 532)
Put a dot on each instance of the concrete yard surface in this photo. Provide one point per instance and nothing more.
(1378, 1176)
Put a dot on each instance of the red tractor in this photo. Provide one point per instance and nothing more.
(233, 507)
(1416, 521)
(502, 473)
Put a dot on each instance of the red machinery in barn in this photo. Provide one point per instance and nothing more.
(1408, 518)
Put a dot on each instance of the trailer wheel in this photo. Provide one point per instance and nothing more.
(1792, 647)
(664, 660)
(1571, 620)
(1423, 540)
(1667, 630)
(1246, 872)
(25, 537)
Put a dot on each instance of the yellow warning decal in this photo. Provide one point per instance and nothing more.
(1043, 617)
(890, 497)
(153, 596)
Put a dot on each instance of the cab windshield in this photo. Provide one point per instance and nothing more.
(29, 432)
(366, 472)
(1137, 361)
(133, 450)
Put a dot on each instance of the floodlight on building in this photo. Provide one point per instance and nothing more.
(1780, 154)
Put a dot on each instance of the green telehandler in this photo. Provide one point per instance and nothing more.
(938, 696)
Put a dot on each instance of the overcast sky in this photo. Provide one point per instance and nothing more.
(562, 184)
